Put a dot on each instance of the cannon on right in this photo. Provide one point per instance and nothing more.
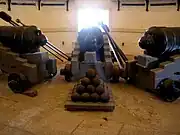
(158, 69)
(161, 42)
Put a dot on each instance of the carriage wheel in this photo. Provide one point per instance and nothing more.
(167, 90)
(18, 83)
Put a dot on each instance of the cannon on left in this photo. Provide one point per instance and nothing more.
(20, 55)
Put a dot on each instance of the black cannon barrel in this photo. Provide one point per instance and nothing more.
(26, 39)
(90, 39)
(161, 41)
(22, 39)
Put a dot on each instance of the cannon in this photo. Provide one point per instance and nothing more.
(95, 49)
(158, 69)
(20, 55)
(161, 42)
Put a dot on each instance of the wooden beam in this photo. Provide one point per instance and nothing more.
(2, 3)
(9, 5)
(67, 5)
(147, 5)
(39, 4)
(52, 4)
(178, 5)
(119, 4)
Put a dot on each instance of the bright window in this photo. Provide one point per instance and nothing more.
(91, 17)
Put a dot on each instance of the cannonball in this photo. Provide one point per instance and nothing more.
(85, 81)
(85, 97)
(91, 73)
(75, 97)
(80, 89)
(96, 82)
(90, 89)
(100, 89)
(116, 70)
(105, 97)
(168, 83)
(95, 97)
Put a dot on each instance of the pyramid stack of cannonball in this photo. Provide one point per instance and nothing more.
(90, 89)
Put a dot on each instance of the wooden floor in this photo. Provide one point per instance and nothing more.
(137, 113)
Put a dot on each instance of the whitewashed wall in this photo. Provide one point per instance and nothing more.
(127, 25)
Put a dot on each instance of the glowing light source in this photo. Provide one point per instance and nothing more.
(91, 17)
